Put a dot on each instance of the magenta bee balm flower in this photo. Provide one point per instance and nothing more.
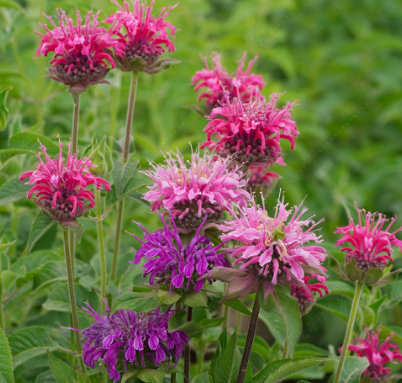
(126, 338)
(81, 52)
(378, 355)
(203, 188)
(59, 188)
(251, 132)
(273, 250)
(261, 181)
(174, 265)
(141, 37)
(216, 80)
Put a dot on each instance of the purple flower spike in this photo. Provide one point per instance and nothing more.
(170, 263)
(127, 339)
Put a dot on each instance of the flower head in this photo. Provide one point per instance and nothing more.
(378, 355)
(81, 52)
(274, 250)
(241, 84)
(144, 37)
(370, 242)
(170, 263)
(251, 132)
(305, 297)
(127, 338)
(204, 187)
(59, 189)
(261, 181)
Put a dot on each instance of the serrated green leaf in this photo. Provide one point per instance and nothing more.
(3, 107)
(352, 369)
(8, 154)
(227, 368)
(122, 173)
(238, 305)
(148, 375)
(62, 372)
(168, 297)
(210, 323)
(6, 364)
(279, 370)
(196, 299)
(49, 273)
(40, 227)
(30, 342)
(45, 377)
(139, 302)
(260, 345)
(275, 325)
(192, 329)
(12, 191)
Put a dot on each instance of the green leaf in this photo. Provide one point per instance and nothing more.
(12, 191)
(336, 266)
(281, 369)
(168, 297)
(150, 376)
(4, 246)
(210, 323)
(227, 368)
(259, 347)
(59, 298)
(30, 342)
(122, 173)
(275, 325)
(238, 305)
(11, 4)
(3, 107)
(192, 329)
(45, 377)
(352, 369)
(341, 288)
(29, 141)
(387, 330)
(8, 154)
(49, 273)
(282, 303)
(305, 349)
(395, 291)
(336, 305)
(139, 302)
(62, 372)
(196, 299)
(222, 343)
(40, 227)
(6, 364)
(389, 278)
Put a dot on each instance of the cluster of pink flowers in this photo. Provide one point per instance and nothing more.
(217, 80)
(144, 37)
(370, 242)
(378, 355)
(59, 189)
(206, 187)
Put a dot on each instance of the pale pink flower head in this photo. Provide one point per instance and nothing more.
(141, 37)
(261, 181)
(241, 83)
(273, 250)
(204, 186)
(81, 52)
(378, 355)
(305, 297)
(59, 188)
(251, 132)
(370, 240)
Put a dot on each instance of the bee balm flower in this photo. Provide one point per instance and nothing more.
(59, 189)
(127, 338)
(274, 250)
(261, 181)
(204, 188)
(251, 132)
(305, 297)
(143, 39)
(81, 52)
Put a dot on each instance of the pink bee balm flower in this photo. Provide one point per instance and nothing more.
(59, 189)
(241, 84)
(305, 297)
(205, 187)
(144, 38)
(251, 132)
(82, 51)
(370, 243)
(377, 354)
(274, 250)
(261, 181)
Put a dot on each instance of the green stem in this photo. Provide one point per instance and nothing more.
(249, 340)
(73, 306)
(1, 299)
(126, 152)
(76, 118)
(187, 350)
(200, 359)
(71, 239)
(349, 329)
(101, 242)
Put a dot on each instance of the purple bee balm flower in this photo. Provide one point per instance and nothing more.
(127, 339)
(180, 267)
(205, 187)
(274, 250)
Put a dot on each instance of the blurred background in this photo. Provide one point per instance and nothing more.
(340, 59)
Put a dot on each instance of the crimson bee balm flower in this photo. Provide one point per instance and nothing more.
(241, 84)
(141, 37)
(201, 189)
(370, 245)
(81, 52)
(273, 250)
(378, 355)
(175, 266)
(127, 339)
(59, 188)
(251, 132)
(305, 297)
(261, 181)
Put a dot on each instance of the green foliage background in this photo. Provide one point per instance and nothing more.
(340, 59)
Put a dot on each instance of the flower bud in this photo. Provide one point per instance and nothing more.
(100, 155)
